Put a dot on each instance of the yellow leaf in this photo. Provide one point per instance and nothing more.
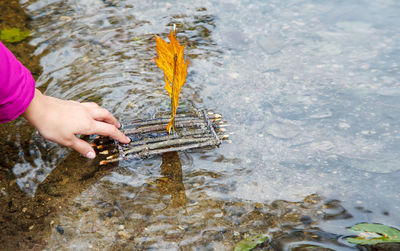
(171, 61)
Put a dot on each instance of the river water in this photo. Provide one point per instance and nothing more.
(311, 93)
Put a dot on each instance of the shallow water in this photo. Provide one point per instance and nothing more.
(310, 90)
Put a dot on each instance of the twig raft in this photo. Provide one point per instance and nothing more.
(194, 129)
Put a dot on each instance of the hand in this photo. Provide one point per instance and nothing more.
(61, 120)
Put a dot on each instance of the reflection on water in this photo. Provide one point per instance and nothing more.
(310, 90)
(172, 182)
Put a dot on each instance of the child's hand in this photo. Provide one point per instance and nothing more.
(61, 120)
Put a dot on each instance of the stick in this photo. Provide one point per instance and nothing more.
(157, 121)
(158, 127)
(211, 128)
(161, 144)
(194, 133)
(166, 119)
(159, 151)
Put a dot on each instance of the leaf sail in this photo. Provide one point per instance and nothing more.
(171, 61)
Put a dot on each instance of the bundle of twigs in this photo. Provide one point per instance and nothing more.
(194, 129)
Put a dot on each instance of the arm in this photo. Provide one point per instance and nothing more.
(55, 119)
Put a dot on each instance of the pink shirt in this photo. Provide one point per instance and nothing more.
(17, 86)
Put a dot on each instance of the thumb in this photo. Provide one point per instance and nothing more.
(83, 148)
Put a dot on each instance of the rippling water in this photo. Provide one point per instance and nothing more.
(311, 91)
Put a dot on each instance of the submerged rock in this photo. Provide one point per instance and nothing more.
(60, 229)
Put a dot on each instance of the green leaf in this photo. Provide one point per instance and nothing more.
(13, 35)
(250, 242)
(371, 233)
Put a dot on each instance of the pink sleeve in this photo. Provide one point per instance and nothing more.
(17, 86)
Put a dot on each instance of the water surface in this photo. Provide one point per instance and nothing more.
(310, 90)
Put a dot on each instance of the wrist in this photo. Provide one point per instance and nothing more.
(33, 111)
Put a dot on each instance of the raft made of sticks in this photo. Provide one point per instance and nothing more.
(194, 129)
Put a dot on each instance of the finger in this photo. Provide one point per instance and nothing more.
(102, 114)
(109, 130)
(83, 148)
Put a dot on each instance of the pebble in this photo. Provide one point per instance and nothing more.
(219, 215)
(123, 234)
(130, 105)
(258, 205)
(121, 227)
(60, 229)
(65, 18)
(305, 219)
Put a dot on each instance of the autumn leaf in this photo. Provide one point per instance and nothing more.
(171, 61)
